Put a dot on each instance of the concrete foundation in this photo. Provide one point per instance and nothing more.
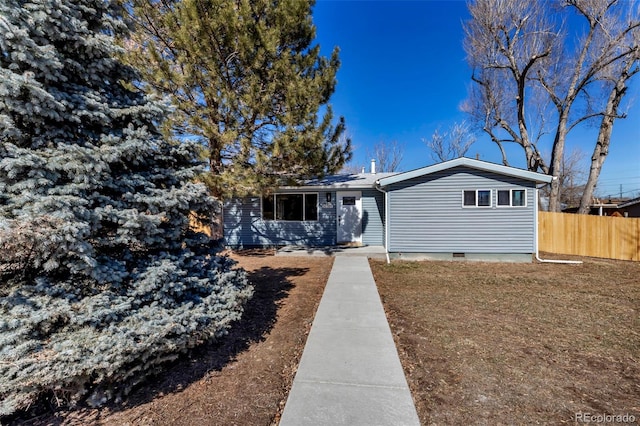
(474, 257)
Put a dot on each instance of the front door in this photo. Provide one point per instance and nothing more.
(349, 216)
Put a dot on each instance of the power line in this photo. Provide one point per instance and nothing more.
(611, 195)
(619, 178)
(614, 188)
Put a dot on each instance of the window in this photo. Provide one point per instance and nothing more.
(469, 198)
(518, 197)
(348, 201)
(504, 198)
(294, 207)
(289, 206)
(484, 198)
(477, 198)
(512, 198)
(268, 207)
(310, 206)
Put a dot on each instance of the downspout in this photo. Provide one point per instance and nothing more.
(535, 214)
(386, 224)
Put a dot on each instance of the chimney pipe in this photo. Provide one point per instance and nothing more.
(373, 166)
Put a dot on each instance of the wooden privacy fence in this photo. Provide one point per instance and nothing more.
(584, 235)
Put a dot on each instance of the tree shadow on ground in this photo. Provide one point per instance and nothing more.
(271, 287)
(255, 252)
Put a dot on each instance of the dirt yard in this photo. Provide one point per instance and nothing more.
(242, 380)
(485, 343)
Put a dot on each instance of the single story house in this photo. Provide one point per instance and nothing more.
(630, 208)
(463, 208)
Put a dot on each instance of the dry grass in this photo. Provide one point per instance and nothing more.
(533, 343)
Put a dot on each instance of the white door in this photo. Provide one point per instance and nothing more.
(349, 216)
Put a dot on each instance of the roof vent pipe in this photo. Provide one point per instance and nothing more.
(373, 166)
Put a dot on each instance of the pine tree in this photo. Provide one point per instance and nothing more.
(101, 277)
(247, 85)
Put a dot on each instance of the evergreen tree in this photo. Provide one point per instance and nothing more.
(247, 84)
(101, 278)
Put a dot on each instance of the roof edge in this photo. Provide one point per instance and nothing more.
(334, 186)
(628, 203)
(471, 163)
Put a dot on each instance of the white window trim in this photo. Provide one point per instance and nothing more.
(510, 205)
(476, 206)
(304, 205)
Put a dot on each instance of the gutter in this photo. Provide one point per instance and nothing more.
(386, 217)
(535, 207)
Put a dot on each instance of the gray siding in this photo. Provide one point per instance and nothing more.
(372, 217)
(426, 215)
(244, 226)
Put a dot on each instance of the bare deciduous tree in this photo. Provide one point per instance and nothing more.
(388, 155)
(451, 144)
(531, 79)
(572, 178)
(352, 169)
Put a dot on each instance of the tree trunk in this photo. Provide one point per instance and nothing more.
(604, 138)
(215, 169)
(597, 160)
(555, 168)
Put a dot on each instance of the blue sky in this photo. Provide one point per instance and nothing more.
(404, 75)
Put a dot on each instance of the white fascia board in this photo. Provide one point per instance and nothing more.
(335, 187)
(471, 163)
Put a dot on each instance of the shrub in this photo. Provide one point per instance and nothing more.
(56, 338)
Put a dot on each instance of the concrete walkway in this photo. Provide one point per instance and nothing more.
(350, 373)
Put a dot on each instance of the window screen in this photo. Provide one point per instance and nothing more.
(479, 198)
(513, 197)
(503, 198)
(469, 198)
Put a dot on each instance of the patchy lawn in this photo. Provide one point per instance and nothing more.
(516, 343)
(243, 379)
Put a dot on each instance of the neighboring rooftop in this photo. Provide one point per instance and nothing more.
(623, 207)
(629, 203)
